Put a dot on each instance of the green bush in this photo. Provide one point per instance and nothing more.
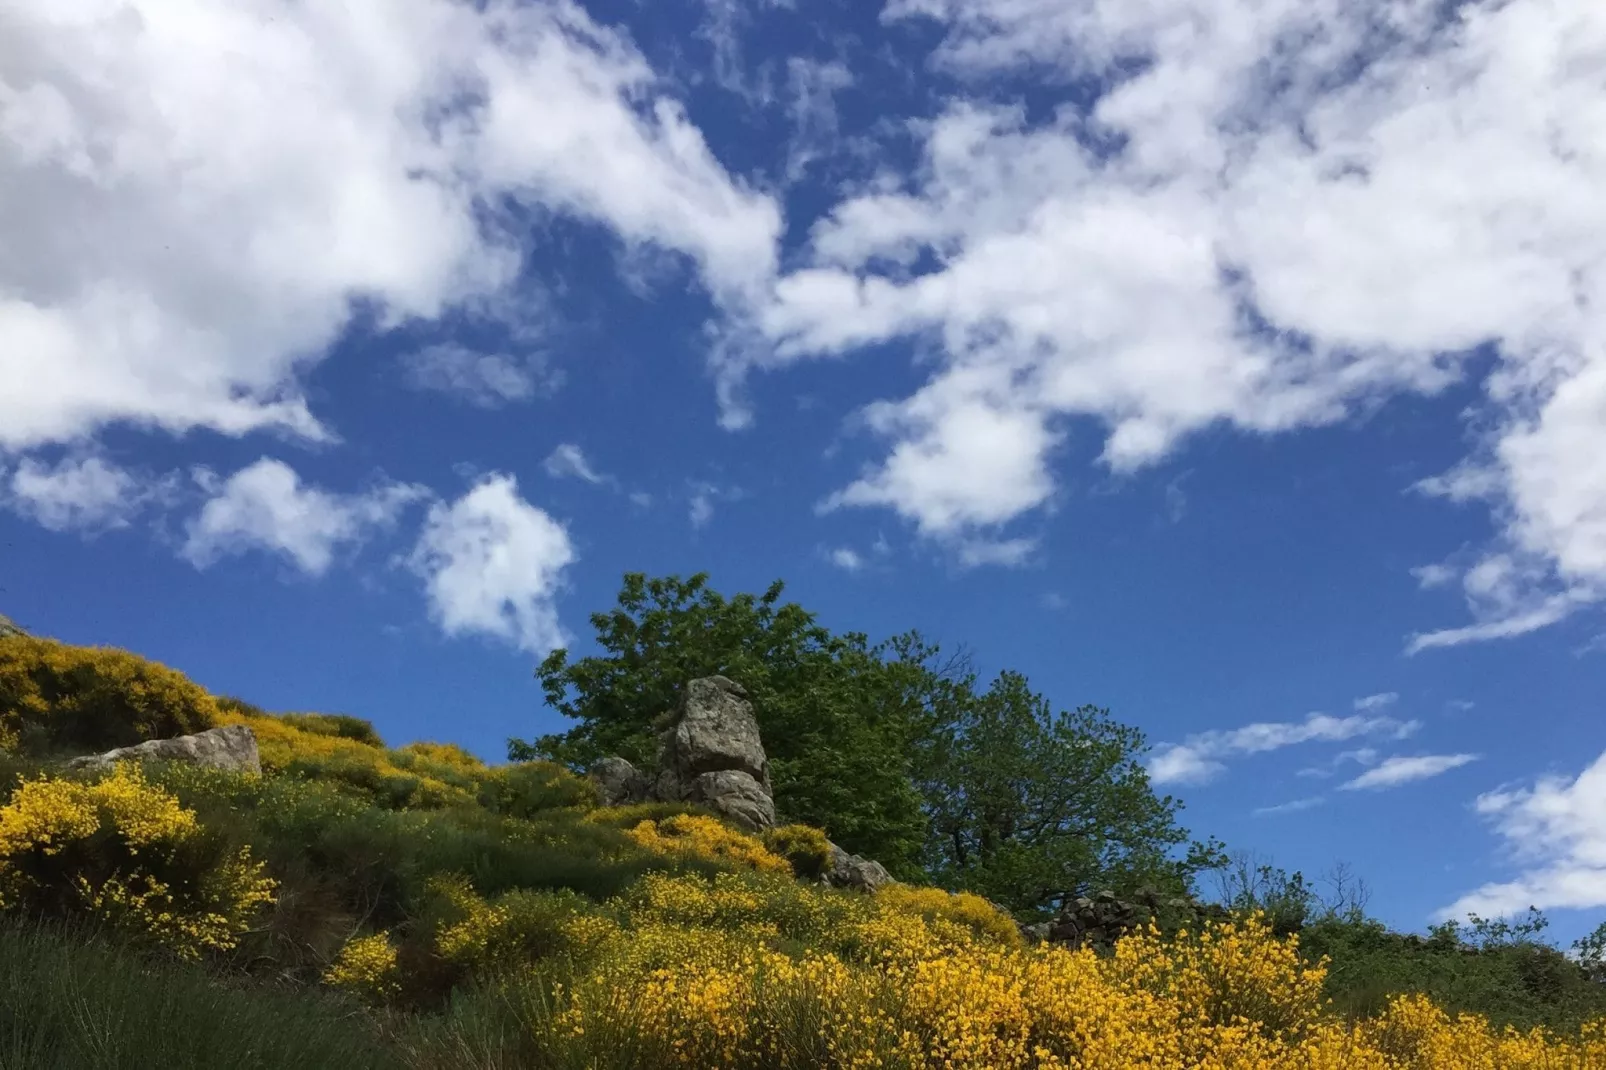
(339, 725)
(56, 698)
(525, 789)
(804, 846)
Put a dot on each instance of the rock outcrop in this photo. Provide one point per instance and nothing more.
(1100, 920)
(711, 754)
(9, 627)
(232, 747)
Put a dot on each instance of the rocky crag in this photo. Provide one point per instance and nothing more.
(711, 754)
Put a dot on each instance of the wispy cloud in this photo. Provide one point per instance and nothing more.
(1392, 772)
(1293, 806)
(1200, 757)
(1556, 832)
(1373, 703)
(568, 461)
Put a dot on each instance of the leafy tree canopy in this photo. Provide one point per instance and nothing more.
(891, 748)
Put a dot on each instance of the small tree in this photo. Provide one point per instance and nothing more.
(1030, 807)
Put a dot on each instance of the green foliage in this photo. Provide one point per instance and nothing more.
(1030, 807)
(525, 789)
(56, 698)
(1591, 952)
(839, 717)
(804, 847)
(71, 1001)
(1502, 971)
(340, 725)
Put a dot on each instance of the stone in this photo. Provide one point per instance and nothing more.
(232, 747)
(9, 627)
(1035, 933)
(852, 871)
(715, 731)
(738, 796)
(618, 783)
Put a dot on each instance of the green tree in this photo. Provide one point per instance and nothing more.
(1030, 807)
(843, 721)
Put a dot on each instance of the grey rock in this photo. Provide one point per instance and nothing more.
(232, 747)
(852, 871)
(738, 796)
(618, 783)
(1035, 933)
(715, 731)
(9, 627)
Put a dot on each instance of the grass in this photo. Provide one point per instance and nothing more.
(72, 1001)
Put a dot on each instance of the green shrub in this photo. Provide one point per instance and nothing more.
(339, 725)
(128, 854)
(56, 698)
(804, 846)
(525, 789)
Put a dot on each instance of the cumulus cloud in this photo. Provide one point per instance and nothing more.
(1273, 216)
(233, 196)
(82, 493)
(1200, 757)
(265, 506)
(492, 565)
(1556, 832)
(1392, 772)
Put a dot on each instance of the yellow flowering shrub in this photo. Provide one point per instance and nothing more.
(411, 778)
(702, 975)
(127, 853)
(518, 927)
(367, 968)
(54, 696)
(803, 846)
(962, 908)
(707, 837)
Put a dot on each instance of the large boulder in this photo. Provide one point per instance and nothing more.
(618, 783)
(232, 747)
(737, 795)
(712, 755)
(715, 731)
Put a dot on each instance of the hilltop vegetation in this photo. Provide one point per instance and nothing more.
(358, 905)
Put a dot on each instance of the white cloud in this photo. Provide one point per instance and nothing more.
(1383, 700)
(1556, 831)
(569, 461)
(265, 506)
(240, 172)
(1431, 576)
(1197, 759)
(1392, 772)
(700, 509)
(1383, 190)
(484, 379)
(1011, 553)
(85, 493)
(847, 559)
(1290, 807)
(492, 564)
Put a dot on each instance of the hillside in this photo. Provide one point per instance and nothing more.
(358, 905)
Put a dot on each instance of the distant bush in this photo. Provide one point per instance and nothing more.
(339, 725)
(128, 854)
(960, 908)
(57, 698)
(525, 789)
(366, 968)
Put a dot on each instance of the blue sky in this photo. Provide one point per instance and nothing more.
(1238, 367)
